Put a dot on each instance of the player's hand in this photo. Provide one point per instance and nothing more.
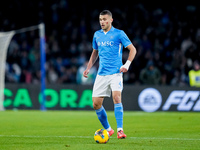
(123, 69)
(85, 73)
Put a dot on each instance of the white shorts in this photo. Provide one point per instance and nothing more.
(103, 85)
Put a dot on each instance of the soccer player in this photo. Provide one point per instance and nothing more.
(108, 45)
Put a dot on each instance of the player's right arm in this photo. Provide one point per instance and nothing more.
(91, 62)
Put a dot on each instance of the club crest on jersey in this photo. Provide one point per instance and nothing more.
(105, 43)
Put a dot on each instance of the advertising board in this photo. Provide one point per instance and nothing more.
(79, 97)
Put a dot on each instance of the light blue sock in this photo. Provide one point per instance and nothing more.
(102, 116)
(118, 108)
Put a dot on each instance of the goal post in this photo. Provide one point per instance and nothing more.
(5, 38)
(42, 62)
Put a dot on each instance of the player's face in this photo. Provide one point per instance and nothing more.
(105, 22)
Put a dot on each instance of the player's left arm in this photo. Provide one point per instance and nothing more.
(132, 53)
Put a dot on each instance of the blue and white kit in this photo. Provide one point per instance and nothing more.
(109, 46)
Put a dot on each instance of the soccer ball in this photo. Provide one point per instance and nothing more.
(101, 136)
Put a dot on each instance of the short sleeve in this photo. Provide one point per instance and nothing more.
(124, 39)
(94, 43)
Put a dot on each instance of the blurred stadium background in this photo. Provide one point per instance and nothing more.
(165, 34)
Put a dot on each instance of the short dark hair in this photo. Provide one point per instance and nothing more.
(106, 12)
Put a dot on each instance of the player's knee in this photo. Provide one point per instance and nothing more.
(117, 99)
(97, 102)
(96, 106)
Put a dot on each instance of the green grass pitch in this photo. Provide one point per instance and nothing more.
(74, 130)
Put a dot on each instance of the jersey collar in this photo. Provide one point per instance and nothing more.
(112, 29)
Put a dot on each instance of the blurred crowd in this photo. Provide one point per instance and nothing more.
(166, 36)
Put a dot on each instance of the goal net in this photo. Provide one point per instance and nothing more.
(5, 38)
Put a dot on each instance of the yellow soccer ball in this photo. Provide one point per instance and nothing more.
(101, 136)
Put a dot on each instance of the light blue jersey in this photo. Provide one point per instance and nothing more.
(110, 46)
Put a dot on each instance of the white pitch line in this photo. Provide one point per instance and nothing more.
(63, 136)
(163, 138)
(47, 136)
